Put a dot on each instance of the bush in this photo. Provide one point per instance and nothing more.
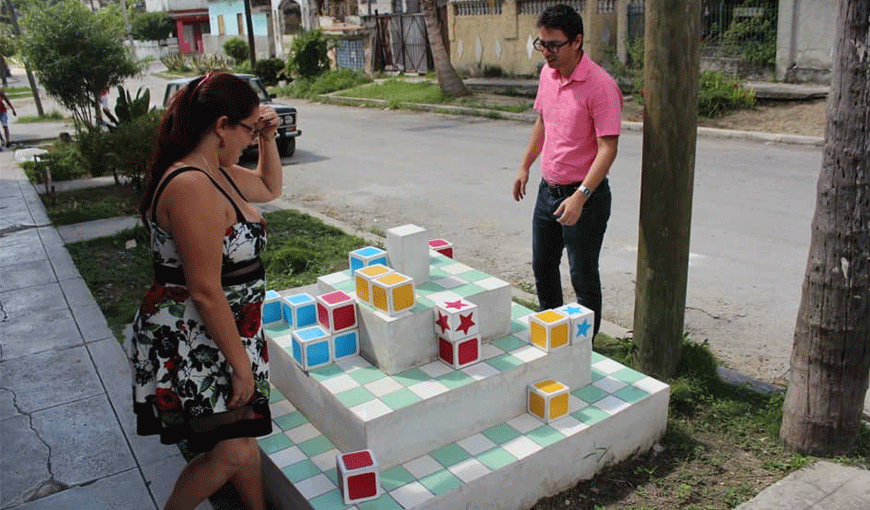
(237, 49)
(176, 62)
(718, 94)
(753, 39)
(308, 55)
(243, 67)
(202, 64)
(152, 26)
(131, 145)
(330, 81)
(269, 70)
(62, 159)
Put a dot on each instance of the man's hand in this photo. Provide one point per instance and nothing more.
(520, 182)
(570, 209)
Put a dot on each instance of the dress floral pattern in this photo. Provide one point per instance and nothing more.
(180, 375)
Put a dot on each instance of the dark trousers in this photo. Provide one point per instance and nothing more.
(582, 241)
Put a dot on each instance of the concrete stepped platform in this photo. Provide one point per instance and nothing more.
(508, 465)
(357, 405)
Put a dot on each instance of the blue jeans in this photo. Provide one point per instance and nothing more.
(582, 241)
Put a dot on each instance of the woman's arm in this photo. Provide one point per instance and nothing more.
(265, 183)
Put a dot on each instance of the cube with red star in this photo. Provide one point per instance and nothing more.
(358, 476)
(455, 318)
(582, 322)
(461, 352)
(442, 246)
(336, 311)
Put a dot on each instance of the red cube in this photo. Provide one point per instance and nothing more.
(442, 246)
(459, 353)
(336, 311)
(358, 476)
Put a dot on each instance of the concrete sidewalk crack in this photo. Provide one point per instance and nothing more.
(19, 227)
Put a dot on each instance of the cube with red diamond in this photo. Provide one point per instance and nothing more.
(336, 311)
(455, 318)
(461, 352)
(358, 476)
(442, 246)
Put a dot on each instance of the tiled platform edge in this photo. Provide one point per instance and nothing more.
(507, 466)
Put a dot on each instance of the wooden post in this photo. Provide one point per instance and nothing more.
(671, 80)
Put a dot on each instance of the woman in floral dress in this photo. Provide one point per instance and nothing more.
(200, 363)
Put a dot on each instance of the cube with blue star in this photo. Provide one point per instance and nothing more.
(582, 322)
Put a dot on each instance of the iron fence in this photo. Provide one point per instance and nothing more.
(537, 6)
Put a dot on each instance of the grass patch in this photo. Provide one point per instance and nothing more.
(18, 92)
(471, 102)
(326, 83)
(53, 116)
(397, 92)
(69, 207)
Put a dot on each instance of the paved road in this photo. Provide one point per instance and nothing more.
(752, 209)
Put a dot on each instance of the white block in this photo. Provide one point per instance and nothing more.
(408, 247)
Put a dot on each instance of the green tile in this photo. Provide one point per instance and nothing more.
(301, 471)
(545, 435)
(355, 396)
(291, 420)
(496, 458)
(441, 482)
(421, 305)
(347, 286)
(396, 477)
(400, 399)
(455, 379)
(518, 310)
(473, 275)
(315, 446)
(597, 375)
(278, 329)
(441, 260)
(366, 375)
(427, 288)
(508, 343)
(597, 357)
(631, 394)
(501, 434)
(326, 372)
(410, 377)
(590, 394)
(590, 415)
(332, 500)
(275, 396)
(449, 455)
(628, 375)
(275, 443)
(385, 502)
(517, 326)
(505, 362)
(332, 474)
(469, 289)
(435, 274)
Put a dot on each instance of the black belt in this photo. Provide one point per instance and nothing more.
(562, 190)
(175, 275)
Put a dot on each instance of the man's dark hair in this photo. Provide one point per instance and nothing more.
(563, 17)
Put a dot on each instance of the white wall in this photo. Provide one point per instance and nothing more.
(805, 40)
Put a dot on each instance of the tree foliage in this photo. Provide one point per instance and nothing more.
(152, 26)
(309, 55)
(76, 54)
(237, 49)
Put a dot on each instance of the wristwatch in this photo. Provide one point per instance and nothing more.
(585, 191)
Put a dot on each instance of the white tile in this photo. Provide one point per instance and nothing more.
(455, 268)
(521, 447)
(287, 456)
(523, 335)
(326, 461)
(524, 423)
(528, 353)
(435, 369)
(610, 384)
(283, 341)
(525, 318)
(444, 295)
(302, 433)
(491, 283)
(314, 486)
(448, 282)
(334, 278)
(489, 351)
(611, 404)
(608, 366)
(411, 495)
(280, 408)
(476, 444)
(469, 470)
(568, 425)
(480, 371)
(340, 383)
(422, 466)
(352, 363)
(370, 410)
(650, 385)
(383, 386)
(428, 389)
(575, 403)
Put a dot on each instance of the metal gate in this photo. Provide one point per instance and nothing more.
(402, 43)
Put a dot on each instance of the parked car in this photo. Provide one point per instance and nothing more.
(287, 131)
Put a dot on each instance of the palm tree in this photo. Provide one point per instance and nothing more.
(448, 79)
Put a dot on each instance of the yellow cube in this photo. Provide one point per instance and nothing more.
(363, 278)
(548, 400)
(393, 293)
(548, 330)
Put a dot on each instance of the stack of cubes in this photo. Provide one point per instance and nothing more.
(334, 337)
(458, 332)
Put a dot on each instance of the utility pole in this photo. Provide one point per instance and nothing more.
(17, 31)
(670, 126)
(250, 23)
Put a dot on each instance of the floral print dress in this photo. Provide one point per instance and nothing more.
(181, 378)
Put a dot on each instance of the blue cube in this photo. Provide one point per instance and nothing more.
(365, 257)
(271, 307)
(299, 310)
(345, 344)
(311, 347)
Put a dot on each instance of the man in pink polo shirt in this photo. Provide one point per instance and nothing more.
(576, 134)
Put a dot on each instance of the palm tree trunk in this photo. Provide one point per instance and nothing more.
(448, 79)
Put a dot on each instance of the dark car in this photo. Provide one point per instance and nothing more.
(287, 132)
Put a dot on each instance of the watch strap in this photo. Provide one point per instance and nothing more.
(584, 190)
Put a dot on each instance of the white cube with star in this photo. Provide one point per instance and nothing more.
(455, 318)
(582, 322)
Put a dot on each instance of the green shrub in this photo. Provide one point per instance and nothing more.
(62, 159)
(308, 54)
(243, 67)
(152, 26)
(176, 62)
(330, 81)
(269, 70)
(131, 145)
(236, 48)
(753, 39)
(202, 64)
(718, 94)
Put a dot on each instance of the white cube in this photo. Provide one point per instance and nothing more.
(582, 322)
(312, 347)
(358, 476)
(408, 247)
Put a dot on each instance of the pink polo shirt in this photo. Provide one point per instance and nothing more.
(588, 105)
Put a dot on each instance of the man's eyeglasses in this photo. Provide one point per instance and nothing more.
(255, 132)
(553, 46)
